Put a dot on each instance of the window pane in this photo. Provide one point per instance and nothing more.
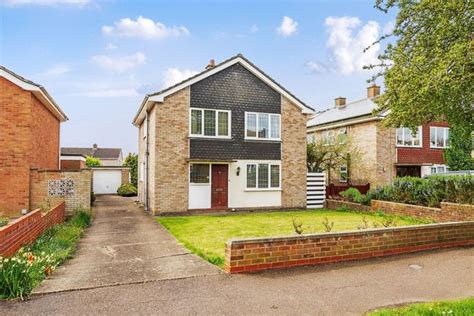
(432, 136)
(251, 176)
(223, 124)
(439, 137)
(209, 123)
(310, 139)
(262, 125)
(342, 136)
(251, 125)
(199, 173)
(407, 139)
(416, 137)
(275, 176)
(399, 136)
(275, 126)
(196, 122)
(263, 176)
(446, 130)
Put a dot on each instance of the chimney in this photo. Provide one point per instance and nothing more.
(212, 63)
(373, 91)
(340, 101)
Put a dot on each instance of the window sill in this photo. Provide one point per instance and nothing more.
(263, 190)
(438, 148)
(267, 140)
(209, 137)
(406, 146)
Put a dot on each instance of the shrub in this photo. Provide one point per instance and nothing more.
(21, 273)
(3, 221)
(351, 195)
(127, 189)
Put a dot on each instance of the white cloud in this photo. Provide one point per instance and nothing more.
(388, 27)
(253, 29)
(347, 49)
(288, 27)
(108, 93)
(174, 75)
(55, 70)
(111, 46)
(316, 67)
(143, 28)
(121, 63)
(77, 3)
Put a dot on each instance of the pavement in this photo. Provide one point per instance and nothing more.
(124, 246)
(128, 264)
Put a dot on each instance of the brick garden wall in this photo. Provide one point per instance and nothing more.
(448, 212)
(27, 228)
(79, 197)
(335, 204)
(256, 254)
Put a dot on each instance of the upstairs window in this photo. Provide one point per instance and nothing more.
(406, 138)
(328, 137)
(210, 123)
(439, 137)
(262, 126)
(263, 176)
(342, 135)
(310, 139)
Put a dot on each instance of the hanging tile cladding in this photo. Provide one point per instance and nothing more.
(238, 90)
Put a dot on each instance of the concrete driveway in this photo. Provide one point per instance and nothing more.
(124, 246)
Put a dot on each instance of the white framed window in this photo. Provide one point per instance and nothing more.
(310, 139)
(262, 126)
(142, 171)
(439, 169)
(406, 138)
(210, 123)
(263, 176)
(439, 137)
(199, 173)
(343, 174)
(342, 135)
(328, 137)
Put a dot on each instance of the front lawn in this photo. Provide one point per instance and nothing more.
(459, 307)
(206, 235)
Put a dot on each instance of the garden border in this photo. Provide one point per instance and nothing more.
(254, 254)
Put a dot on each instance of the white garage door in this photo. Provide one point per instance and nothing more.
(106, 181)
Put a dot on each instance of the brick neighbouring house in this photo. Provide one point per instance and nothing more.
(29, 138)
(384, 152)
(201, 145)
(73, 157)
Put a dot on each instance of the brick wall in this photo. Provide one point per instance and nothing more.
(447, 213)
(125, 175)
(29, 138)
(248, 255)
(335, 204)
(72, 164)
(171, 151)
(293, 155)
(81, 196)
(407, 155)
(27, 228)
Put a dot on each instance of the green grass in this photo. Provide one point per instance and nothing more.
(445, 308)
(25, 270)
(206, 235)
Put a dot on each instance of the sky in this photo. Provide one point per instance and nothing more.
(99, 58)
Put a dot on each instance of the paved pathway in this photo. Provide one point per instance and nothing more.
(124, 246)
(338, 289)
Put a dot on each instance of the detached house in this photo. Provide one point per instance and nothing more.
(383, 153)
(229, 137)
(29, 138)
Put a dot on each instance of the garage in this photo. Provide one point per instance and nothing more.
(106, 180)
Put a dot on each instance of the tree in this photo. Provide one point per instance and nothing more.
(131, 161)
(428, 70)
(92, 162)
(458, 154)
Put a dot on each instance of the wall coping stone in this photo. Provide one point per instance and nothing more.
(435, 209)
(379, 231)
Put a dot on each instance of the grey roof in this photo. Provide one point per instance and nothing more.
(37, 85)
(101, 153)
(364, 107)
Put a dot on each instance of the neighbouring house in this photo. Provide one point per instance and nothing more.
(72, 157)
(29, 138)
(384, 153)
(107, 177)
(229, 137)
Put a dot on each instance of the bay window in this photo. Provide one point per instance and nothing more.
(439, 137)
(210, 123)
(262, 126)
(263, 176)
(406, 138)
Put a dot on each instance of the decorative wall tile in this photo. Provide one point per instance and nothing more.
(61, 187)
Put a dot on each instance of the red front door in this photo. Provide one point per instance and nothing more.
(219, 186)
